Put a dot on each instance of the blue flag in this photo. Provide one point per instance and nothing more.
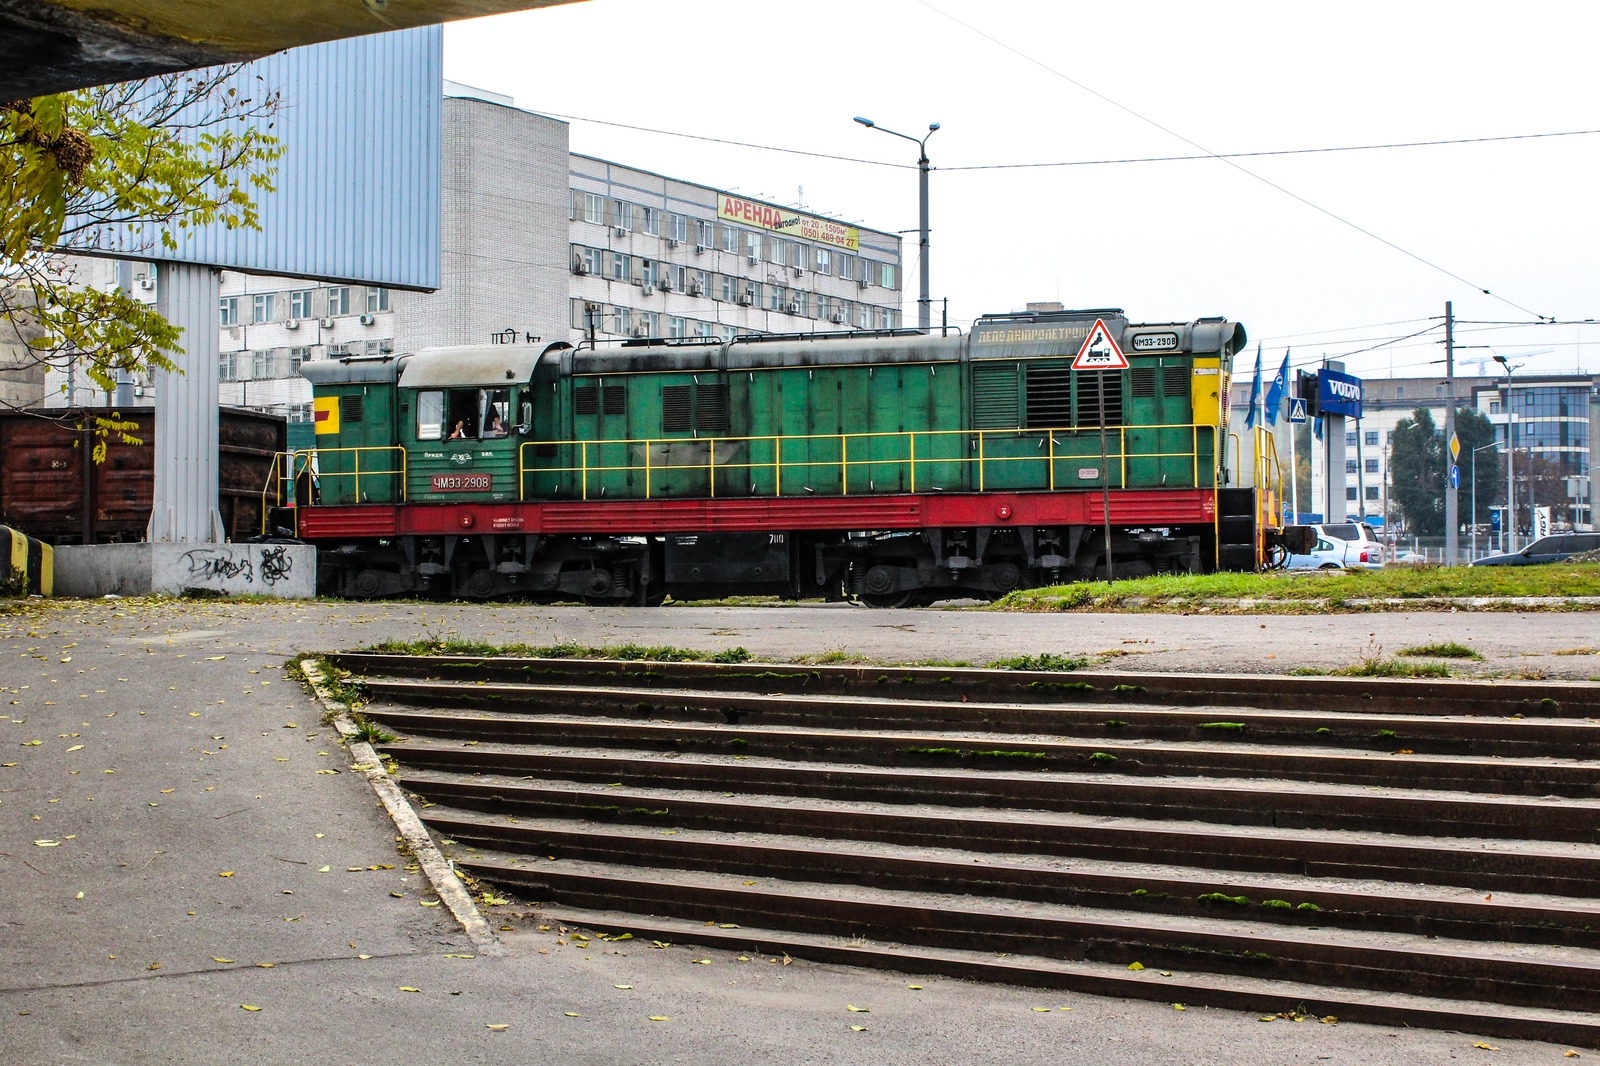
(1255, 395)
(1276, 390)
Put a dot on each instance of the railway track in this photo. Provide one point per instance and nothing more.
(1420, 853)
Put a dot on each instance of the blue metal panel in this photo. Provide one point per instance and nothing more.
(358, 189)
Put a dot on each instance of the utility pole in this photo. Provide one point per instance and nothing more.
(1452, 517)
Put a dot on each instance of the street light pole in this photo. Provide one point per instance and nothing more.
(1472, 519)
(1511, 461)
(924, 300)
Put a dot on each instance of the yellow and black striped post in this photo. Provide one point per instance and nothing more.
(29, 564)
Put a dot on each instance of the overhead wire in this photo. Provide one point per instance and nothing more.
(1230, 162)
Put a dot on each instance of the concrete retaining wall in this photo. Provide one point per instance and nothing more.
(287, 571)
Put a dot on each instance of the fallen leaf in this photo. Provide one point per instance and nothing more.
(659, 1018)
(1179, 1006)
(429, 902)
(572, 1014)
(76, 747)
(247, 1006)
(853, 1009)
(78, 896)
(216, 958)
(915, 988)
(226, 873)
(1486, 1047)
(408, 988)
(621, 986)
(1135, 965)
(1040, 1010)
(858, 1028)
(46, 844)
(498, 1028)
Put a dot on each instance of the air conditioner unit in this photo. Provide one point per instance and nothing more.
(580, 267)
(291, 323)
(699, 248)
(672, 242)
(665, 284)
(696, 289)
(649, 290)
(745, 301)
(367, 320)
(147, 283)
(622, 231)
(640, 331)
(753, 260)
(838, 320)
(861, 283)
(794, 309)
(798, 271)
(327, 323)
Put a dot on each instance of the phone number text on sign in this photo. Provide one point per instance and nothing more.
(461, 482)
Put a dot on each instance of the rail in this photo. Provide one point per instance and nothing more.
(913, 458)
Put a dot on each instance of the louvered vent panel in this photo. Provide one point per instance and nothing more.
(1089, 382)
(994, 397)
(614, 399)
(1175, 380)
(1142, 382)
(1049, 397)
(350, 407)
(711, 408)
(585, 399)
(675, 401)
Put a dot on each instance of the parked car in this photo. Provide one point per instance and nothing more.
(1556, 548)
(1340, 545)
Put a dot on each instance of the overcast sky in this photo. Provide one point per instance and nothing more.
(1015, 82)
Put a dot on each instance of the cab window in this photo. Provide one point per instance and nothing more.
(495, 412)
(430, 415)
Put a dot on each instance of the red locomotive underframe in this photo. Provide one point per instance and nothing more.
(1143, 507)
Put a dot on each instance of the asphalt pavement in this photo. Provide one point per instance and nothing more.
(192, 872)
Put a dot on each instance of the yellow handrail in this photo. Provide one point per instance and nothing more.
(307, 461)
(589, 467)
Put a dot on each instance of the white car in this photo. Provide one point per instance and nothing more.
(1339, 546)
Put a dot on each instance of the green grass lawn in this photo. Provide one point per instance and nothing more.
(1312, 590)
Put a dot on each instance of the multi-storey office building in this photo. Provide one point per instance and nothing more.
(540, 244)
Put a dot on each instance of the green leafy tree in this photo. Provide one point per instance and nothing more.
(1417, 473)
(158, 157)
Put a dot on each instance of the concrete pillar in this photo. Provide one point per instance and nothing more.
(185, 507)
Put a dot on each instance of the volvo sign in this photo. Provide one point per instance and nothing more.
(1338, 393)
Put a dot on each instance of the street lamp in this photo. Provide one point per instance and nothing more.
(1474, 519)
(924, 302)
(1511, 460)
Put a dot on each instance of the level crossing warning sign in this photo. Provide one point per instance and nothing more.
(1100, 351)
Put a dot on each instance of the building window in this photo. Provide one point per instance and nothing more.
(847, 267)
(1349, 440)
(1438, 390)
(1349, 466)
(624, 215)
(261, 364)
(706, 234)
(752, 292)
(863, 316)
(1494, 407)
(300, 304)
(300, 412)
(728, 333)
(1399, 392)
(730, 239)
(775, 298)
(594, 208)
(887, 275)
(868, 271)
(229, 309)
(228, 366)
(824, 307)
(647, 271)
(649, 324)
(824, 261)
(297, 356)
(1350, 493)
(261, 307)
(650, 220)
(885, 319)
(679, 276)
(621, 266)
(729, 289)
(377, 300)
(702, 329)
(339, 300)
(800, 303)
(1372, 466)
(592, 260)
(752, 246)
(777, 251)
(624, 320)
(1371, 438)
(675, 327)
(1372, 492)
(678, 228)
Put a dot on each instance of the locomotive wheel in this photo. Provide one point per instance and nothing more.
(890, 599)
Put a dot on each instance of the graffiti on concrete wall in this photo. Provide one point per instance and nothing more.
(225, 564)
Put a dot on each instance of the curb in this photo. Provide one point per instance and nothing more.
(441, 874)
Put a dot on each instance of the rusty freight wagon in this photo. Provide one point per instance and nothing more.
(51, 488)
